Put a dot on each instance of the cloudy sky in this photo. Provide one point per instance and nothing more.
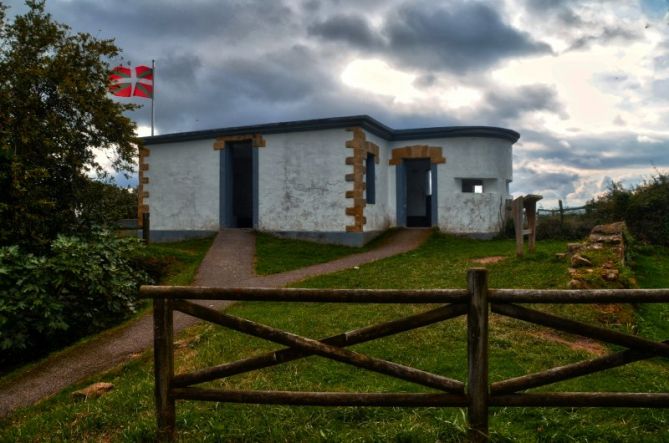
(585, 82)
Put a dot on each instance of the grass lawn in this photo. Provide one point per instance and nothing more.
(652, 271)
(184, 257)
(274, 254)
(127, 413)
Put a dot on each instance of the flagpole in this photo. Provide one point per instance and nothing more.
(153, 95)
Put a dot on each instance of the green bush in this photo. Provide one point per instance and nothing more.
(549, 227)
(572, 227)
(83, 286)
(645, 209)
(28, 309)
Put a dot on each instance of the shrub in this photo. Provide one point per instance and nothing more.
(83, 286)
(572, 227)
(645, 209)
(28, 309)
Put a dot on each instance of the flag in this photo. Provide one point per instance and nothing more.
(144, 85)
(120, 81)
(123, 83)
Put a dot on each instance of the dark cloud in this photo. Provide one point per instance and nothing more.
(605, 36)
(425, 80)
(180, 70)
(622, 150)
(559, 10)
(226, 19)
(529, 179)
(562, 18)
(353, 29)
(456, 36)
(507, 105)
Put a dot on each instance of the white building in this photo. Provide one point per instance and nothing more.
(340, 180)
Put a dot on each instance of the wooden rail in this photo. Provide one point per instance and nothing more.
(477, 394)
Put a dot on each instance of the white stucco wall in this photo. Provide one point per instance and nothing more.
(183, 186)
(378, 214)
(489, 159)
(302, 186)
(302, 183)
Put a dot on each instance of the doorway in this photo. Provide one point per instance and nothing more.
(238, 185)
(416, 193)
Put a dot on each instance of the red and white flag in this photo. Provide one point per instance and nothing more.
(126, 82)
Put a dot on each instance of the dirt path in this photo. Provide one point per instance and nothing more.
(229, 262)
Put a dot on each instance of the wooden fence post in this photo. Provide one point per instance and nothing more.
(477, 355)
(518, 222)
(146, 227)
(163, 367)
(531, 215)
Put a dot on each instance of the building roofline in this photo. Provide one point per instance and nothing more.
(364, 121)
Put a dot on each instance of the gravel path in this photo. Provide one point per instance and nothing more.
(229, 262)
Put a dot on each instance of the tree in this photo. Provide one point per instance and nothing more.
(55, 115)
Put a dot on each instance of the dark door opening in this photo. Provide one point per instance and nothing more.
(241, 170)
(418, 192)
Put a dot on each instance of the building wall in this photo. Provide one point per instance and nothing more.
(183, 186)
(302, 183)
(378, 214)
(488, 159)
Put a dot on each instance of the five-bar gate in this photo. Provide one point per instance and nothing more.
(476, 394)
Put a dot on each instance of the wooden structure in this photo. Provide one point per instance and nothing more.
(477, 395)
(525, 209)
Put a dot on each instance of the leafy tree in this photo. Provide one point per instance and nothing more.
(105, 204)
(55, 115)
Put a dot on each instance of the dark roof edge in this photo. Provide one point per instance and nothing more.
(366, 122)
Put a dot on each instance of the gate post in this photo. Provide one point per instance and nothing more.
(163, 343)
(477, 355)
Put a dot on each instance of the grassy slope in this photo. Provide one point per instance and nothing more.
(187, 256)
(126, 414)
(274, 254)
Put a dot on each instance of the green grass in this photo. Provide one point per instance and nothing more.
(274, 254)
(184, 258)
(652, 271)
(127, 414)
(443, 261)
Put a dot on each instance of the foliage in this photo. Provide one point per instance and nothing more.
(81, 287)
(645, 209)
(571, 227)
(56, 120)
(104, 204)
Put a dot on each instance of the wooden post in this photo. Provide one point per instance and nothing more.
(517, 209)
(531, 214)
(163, 367)
(146, 227)
(477, 355)
(561, 215)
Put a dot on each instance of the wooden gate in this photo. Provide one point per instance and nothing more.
(477, 394)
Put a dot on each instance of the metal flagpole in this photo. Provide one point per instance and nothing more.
(153, 94)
